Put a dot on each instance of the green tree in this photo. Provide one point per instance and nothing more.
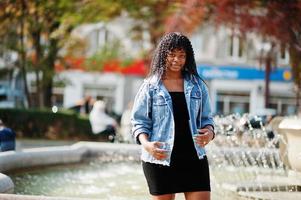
(150, 16)
(42, 27)
(12, 35)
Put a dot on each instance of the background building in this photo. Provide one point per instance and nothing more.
(115, 85)
(228, 62)
(230, 65)
(11, 86)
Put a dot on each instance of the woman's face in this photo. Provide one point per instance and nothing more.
(175, 61)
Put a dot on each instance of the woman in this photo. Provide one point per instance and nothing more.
(172, 121)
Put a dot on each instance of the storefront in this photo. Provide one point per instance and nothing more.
(240, 89)
(117, 90)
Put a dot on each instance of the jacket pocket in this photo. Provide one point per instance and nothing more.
(196, 94)
(160, 107)
(196, 101)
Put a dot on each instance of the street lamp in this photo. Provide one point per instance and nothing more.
(268, 59)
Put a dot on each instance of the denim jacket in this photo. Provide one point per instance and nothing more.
(152, 113)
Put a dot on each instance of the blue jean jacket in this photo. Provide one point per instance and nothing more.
(152, 113)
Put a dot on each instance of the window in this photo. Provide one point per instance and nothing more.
(3, 97)
(198, 45)
(101, 37)
(282, 52)
(231, 46)
(283, 56)
(236, 47)
(102, 92)
(58, 99)
(240, 47)
(283, 104)
(204, 44)
(58, 94)
(232, 102)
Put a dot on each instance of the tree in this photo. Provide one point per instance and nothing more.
(150, 16)
(187, 18)
(275, 20)
(12, 36)
(44, 26)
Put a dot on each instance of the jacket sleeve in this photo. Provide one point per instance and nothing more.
(206, 115)
(140, 117)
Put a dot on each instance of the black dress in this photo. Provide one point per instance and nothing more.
(186, 173)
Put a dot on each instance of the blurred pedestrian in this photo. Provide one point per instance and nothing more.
(172, 120)
(7, 138)
(84, 105)
(88, 104)
(102, 124)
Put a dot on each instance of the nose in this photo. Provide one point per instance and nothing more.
(176, 58)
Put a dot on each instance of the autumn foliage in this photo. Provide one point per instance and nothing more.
(136, 67)
(276, 20)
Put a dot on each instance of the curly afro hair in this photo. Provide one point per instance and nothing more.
(169, 42)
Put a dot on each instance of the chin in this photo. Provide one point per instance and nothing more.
(175, 68)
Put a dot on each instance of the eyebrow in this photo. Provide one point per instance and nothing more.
(180, 52)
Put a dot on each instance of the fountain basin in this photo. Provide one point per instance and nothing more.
(30, 197)
(6, 184)
(47, 156)
(237, 164)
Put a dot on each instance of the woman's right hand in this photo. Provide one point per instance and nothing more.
(154, 149)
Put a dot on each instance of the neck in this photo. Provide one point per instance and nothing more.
(173, 76)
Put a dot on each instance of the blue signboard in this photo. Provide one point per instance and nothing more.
(242, 73)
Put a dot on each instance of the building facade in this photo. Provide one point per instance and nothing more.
(231, 67)
(229, 63)
(11, 84)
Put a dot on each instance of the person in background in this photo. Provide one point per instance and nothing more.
(101, 123)
(171, 119)
(7, 138)
(83, 106)
(88, 104)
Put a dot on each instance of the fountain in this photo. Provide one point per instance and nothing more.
(250, 151)
(245, 163)
(290, 129)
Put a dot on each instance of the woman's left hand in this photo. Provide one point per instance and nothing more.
(204, 137)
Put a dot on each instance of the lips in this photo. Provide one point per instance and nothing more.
(176, 66)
